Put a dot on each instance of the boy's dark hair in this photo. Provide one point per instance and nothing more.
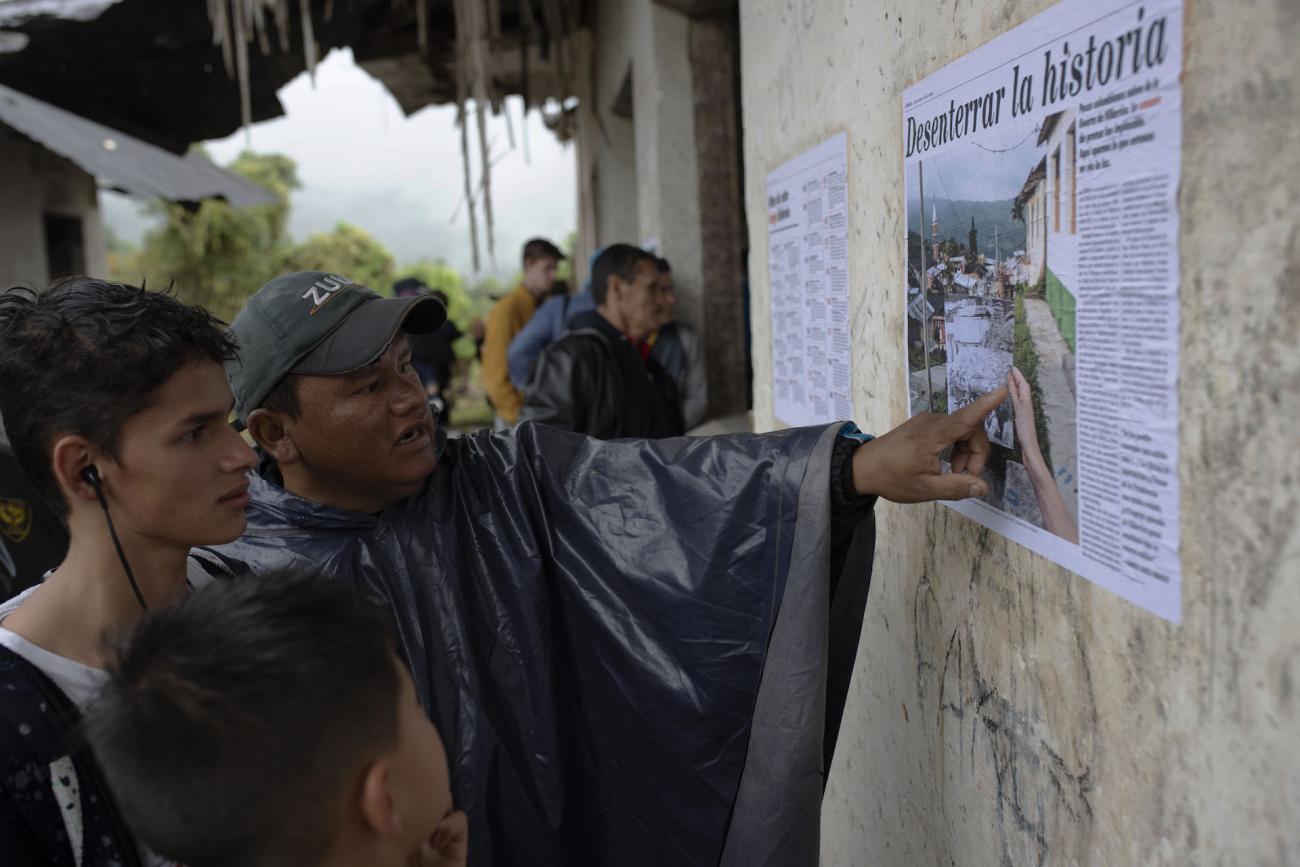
(617, 259)
(86, 355)
(663, 265)
(233, 722)
(540, 248)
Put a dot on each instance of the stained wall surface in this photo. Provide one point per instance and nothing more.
(1005, 711)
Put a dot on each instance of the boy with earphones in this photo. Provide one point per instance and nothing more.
(116, 405)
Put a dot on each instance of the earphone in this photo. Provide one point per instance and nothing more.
(90, 475)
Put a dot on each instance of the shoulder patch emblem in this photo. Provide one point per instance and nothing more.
(15, 519)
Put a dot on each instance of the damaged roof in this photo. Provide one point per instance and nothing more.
(158, 70)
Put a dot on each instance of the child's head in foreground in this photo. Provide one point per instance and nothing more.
(269, 721)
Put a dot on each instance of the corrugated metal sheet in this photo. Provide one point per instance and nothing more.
(14, 12)
(125, 162)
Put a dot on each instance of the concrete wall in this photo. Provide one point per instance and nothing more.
(33, 182)
(642, 171)
(1005, 711)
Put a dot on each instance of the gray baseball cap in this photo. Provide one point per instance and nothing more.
(318, 324)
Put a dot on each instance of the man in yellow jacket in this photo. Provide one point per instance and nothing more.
(507, 318)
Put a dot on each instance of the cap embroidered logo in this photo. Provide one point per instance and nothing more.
(325, 290)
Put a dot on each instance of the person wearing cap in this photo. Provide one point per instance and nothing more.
(507, 318)
(314, 340)
(433, 354)
(636, 651)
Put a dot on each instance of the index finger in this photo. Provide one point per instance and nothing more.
(973, 413)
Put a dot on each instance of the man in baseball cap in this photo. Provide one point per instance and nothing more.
(588, 623)
(324, 375)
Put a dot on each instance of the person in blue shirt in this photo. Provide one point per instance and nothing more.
(547, 326)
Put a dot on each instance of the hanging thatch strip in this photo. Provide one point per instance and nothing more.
(235, 23)
(510, 124)
(462, 97)
(241, 64)
(478, 31)
(529, 25)
(254, 8)
(422, 25)
(553, 15)
(308, 39)
(219, 16)
(282, 22)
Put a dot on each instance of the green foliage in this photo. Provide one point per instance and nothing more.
(565, 269)
(347, 250)
(471, 414)
(216, 255)
(1025, 357)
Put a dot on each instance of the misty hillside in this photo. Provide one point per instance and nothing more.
(954, 222)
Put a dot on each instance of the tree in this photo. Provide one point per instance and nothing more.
(216, 255)
(348, 250)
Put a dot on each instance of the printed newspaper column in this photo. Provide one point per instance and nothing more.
(808, 268)
(1042, 253)
(1128, 321)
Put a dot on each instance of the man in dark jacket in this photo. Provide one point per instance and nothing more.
(596, 379)
(637, 651)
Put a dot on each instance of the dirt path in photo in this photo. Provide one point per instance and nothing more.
(1056, 379)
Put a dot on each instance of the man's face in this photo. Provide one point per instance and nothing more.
(539, 274)
(421, 783)
(638, 304)
(667, 298)
(366, 436)
(179, 475)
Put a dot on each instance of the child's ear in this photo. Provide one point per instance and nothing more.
(378, 810)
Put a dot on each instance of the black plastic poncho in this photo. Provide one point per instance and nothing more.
(634, 650)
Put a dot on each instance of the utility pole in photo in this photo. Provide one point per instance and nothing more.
(997, 265)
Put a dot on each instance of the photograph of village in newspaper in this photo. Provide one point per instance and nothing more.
(1041, 176)
(995, 250)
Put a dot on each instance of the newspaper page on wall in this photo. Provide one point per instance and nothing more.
(1042, 175)
(808, 258)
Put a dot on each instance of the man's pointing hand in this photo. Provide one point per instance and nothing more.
(903, 465)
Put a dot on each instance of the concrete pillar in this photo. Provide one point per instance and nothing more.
(715, 43)
(667, 168)
(658, 158)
